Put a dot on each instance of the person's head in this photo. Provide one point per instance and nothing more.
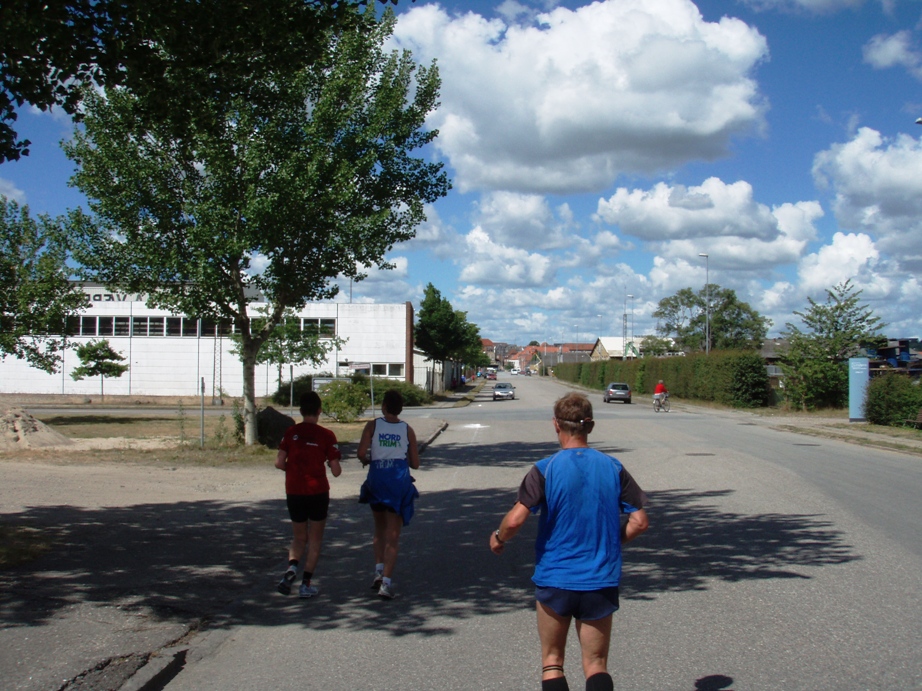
(573, 414)
(392, 402)
(310, 404)
(660, 381)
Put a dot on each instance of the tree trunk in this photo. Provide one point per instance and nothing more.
(248, 356)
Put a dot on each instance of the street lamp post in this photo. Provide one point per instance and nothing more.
(633, 347)
(707, 302)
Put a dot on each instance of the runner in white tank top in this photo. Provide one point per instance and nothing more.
(388, 446)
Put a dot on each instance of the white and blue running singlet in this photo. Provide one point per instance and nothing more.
(389, 482)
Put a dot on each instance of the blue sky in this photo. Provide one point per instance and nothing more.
(596, 149)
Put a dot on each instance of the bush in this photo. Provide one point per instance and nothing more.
(303, 384)
(412, 394)
(344, 401)
(891, 399)
(749, 382)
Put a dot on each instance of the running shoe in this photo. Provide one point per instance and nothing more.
(376, 584)
(386, 591)
(306, 591)
(285, 584)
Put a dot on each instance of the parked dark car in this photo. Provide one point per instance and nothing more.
(617, 391)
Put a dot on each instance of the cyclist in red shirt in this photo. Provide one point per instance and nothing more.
(660, 391)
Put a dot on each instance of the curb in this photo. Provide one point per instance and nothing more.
(422, 445)
(161, 668)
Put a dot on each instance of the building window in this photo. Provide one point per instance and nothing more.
(174, 326)
(155, 326)
(225, 327)
(189, 327)
(72, 326)
(324, 328)
(123, 326)
(209, 328)
(105, 326)
(395, 369)
(87, 326)
(378, 370)
(139, 326)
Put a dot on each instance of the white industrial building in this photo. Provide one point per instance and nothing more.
(171, 355)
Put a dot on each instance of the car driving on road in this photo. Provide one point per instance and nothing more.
(503, 390)
(617, 391)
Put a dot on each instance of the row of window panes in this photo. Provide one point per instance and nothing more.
(382, 369)
(172, 326)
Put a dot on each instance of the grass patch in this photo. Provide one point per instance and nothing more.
(182, 441)
(218, 431)
(21, 544)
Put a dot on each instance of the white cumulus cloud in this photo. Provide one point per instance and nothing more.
(490, 263)
(895, 50)
(580, 96)
(878, 187)
(720, 219)
(11, 192)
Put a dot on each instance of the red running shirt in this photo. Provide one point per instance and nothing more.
(309, 447)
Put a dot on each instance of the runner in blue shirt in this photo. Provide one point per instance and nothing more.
(579, 494)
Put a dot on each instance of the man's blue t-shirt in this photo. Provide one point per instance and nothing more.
(580, 495)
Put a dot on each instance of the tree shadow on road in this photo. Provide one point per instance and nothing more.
(192, 560)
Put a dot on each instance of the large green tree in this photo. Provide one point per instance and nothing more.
(734, 324)
(815, 362)
(171, 54)
(283, 194)
(443, 333)
(36, 295)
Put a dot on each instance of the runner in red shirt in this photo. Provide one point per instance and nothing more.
(302, 453)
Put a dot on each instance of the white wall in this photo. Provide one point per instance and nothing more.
(176, 365)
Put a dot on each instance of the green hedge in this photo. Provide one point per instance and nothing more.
(735, 378)
(891, 399)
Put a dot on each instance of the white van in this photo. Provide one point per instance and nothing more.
(516, 370)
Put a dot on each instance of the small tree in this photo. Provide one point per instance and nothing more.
(290, 344)
(98, 359)
(444, 333)
(36, 296)
(651, 345)
(815, 363)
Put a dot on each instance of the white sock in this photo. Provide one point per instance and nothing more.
(379, 568)
(386, 581)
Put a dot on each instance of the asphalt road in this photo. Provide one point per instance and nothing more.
(774, 561)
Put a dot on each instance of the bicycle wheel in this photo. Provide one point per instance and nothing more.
(665, 405)
(656, 405)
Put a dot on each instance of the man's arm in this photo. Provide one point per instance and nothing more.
(508, 527)
(281, 460)
(637, 523)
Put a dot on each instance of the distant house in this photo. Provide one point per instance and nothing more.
(613, 348)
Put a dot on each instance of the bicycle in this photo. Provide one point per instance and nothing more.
(661, 402)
